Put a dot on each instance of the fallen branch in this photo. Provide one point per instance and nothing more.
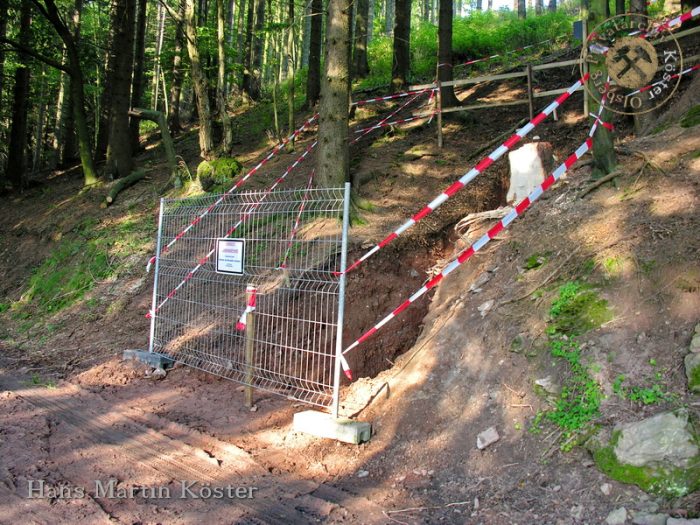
(600, 182)
(120, 185)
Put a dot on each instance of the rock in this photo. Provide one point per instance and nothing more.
(661, 438)
(529, 166)
(697, 329)
(413, 273)
(695, 343)
(617, 517)
(157, 373)
(486, 438)
(692, 372)
(576, 512)
(362, 473)
(485, 307)
(683, 521)
(650, 519)
(479, 282)
(658, 454)
(548, 385)
(606, 488)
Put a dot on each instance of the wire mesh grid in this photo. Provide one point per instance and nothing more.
(296, 315)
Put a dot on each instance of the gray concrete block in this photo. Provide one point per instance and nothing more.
(324, 425)
(150, 358)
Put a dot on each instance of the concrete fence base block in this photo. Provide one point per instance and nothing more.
(324, 425)
(150, 358)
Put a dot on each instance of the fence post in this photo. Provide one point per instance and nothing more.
(530, 94)
(438, 102)
(584, 44)
(341, 301)
(249, 347)
(155, 277)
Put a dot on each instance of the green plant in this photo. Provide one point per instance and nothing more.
(613, 266)
(535, 261)
(578, 309)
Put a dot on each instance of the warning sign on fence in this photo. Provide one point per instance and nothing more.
(230, 254)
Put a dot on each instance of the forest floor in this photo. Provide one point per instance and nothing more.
(72, 412)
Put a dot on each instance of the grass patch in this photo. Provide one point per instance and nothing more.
(637, 394)
(577, 310)
(535, 261)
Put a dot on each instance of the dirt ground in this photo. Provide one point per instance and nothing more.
(73, 413)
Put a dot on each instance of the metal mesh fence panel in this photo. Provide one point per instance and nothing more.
(293, 269)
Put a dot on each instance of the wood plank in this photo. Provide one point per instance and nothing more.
(487, 78)
(552, 65)
(553, 92)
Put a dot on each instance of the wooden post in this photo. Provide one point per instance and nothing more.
(249, 347)
(530, 97)
(584, 65)
(438, 103)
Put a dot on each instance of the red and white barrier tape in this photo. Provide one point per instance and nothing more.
(396, 122)
(677, 21)
(466, 254)
(384, 99)
(242, 323)
(242, 220)
(295, 229)
(472, 174)
(650, 86)
(238, 184)
(393, 113)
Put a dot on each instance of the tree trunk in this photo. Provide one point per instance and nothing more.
(258, 50)
(479, 5)
(199, 81)
(176, 85)
(552, 7)
(604, 159)
(137, 80)
(248, 48)
(156, 66)
(361, 24)
(619, 7)
(490, 5)
(291, 61)
(313, 81)
(389, 17)
(70, 149)
(159, 118)
(539, 6)
(227, 139)
(306, 38)
(3, 32)
(39, 126)
(62, 112)
(401, 64)
(447, 94)
(522, 9)
(106, 97)
(119, 154)
(17, 147)
(333, 155)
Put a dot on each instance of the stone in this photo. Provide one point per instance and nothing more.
(650, 519)
(692, 372)
(617, 517)
(362, 474)
(157, 373)
(697, 329)
(480, 281)
(324, 425)
(529, 166)
(606, 488)
(683, 521)
(548, 385)
(661, 438)
(485, 307)
(695, 344)
(576, 512)
(486, 438)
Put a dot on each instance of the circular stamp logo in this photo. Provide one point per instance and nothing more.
(643, 62)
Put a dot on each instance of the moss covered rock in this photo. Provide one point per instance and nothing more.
(692, 372)
(659, 454)
(217, 175)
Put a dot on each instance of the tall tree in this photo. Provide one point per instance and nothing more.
(401, 64)
(254, 49)
(313, 81)
(539, 7)
(619, 7)
(227, 139)
(447, 93)
(291, 64)
(389, 12)
(552, 7)
(604, 158)
(333, 155)
(361, 69)
(17, 148)
(3, 32)
(138, 77)
(177, 74)
(119, 154)
(522, 8)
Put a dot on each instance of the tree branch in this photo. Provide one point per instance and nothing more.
(173, 14)
(19, 48)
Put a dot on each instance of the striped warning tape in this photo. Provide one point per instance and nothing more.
(238, 184)
(672, 77)
(471, 174)
(388, 97)
(251, 292)
(466, 254)
(242, 220)
(295, 229)
(393, 113)
(397, 122)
